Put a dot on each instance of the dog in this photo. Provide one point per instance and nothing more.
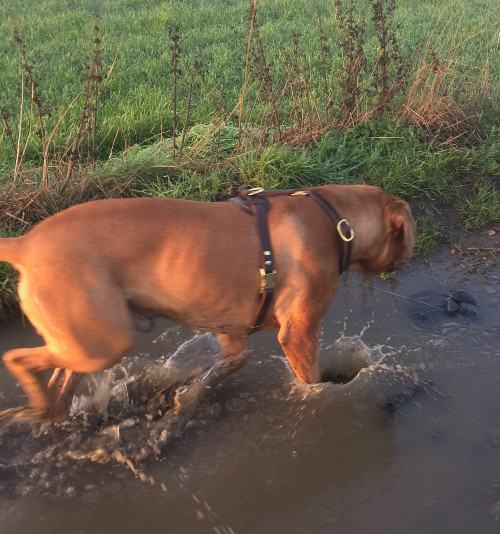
(91, 274)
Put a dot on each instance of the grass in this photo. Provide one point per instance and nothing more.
(481, 207)
(8, 280)
(403, 162)
(189, 184)
(120, 97)
(428, 234)
(136, 103)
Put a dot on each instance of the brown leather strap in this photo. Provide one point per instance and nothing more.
(260, 207)
(254, 201)
(343, 227)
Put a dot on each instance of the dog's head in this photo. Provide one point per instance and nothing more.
(401, 238)
(394, 246)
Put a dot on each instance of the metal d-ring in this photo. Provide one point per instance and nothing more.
(341, 233)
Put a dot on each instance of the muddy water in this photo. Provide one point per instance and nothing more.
(412, 444)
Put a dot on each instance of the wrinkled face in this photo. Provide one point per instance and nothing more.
(394, 251)
(402, 248)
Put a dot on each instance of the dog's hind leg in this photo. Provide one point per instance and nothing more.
(233, 356)
(62, 386)
(86, 328)
(26, 366)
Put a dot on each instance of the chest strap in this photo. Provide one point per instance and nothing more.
(259, 206)
(255, 202)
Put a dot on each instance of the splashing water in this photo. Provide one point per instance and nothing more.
(112, 419)
(103, 388)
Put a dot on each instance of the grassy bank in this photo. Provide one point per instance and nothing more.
(301, 57)
(195, 99)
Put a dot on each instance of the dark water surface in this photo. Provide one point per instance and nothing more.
(268, 456)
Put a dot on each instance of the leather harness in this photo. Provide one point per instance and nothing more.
(255, 202)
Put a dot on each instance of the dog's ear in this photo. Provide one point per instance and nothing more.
(397, 219)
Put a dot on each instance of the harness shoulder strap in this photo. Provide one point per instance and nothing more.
(344, 231)
(255, 202)
(259, 206)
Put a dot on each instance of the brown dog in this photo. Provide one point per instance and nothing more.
(91, 274)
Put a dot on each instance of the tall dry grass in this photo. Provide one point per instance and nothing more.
(444, 95)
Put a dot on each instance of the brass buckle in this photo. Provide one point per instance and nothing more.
(341, 233)
(254, 191)
(267, 280)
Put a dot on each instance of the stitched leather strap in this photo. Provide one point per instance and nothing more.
(254, 201)
(345, 244)
(260, 207)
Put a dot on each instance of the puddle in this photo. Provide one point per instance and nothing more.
(407, 427)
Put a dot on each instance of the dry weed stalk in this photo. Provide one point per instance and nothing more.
(433, 95)
(6, 126)
(173, 33)
(389, 70)
(29, 82)
(196, 71)
(351, 40)
(95, 79)
(88, 117)
(261, 69)
(253, 11)
(324, 51)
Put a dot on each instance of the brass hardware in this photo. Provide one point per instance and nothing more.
(267, 280)
(297, 193)
(254, 191)
(341, 233)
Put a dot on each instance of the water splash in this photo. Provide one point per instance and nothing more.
(108, 385)
(345, 359)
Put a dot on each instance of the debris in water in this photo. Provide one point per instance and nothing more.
(394, 403)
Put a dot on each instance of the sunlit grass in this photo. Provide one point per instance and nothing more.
(137, 101)
(453, 72)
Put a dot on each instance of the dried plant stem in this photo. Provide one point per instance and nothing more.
(95, 81)
(18, 161)
(6, 127)
(324, 51)
(263, 74)
(253, 11)
(175, 49)
(35, 97)
(188, 113)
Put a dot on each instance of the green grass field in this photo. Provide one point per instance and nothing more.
(136, 103)
(435, 136)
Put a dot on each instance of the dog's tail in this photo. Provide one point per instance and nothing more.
(11, 249)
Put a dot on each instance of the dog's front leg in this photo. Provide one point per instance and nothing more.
(300, 343)
(233, 356)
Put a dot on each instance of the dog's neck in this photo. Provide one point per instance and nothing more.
(366, 208)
